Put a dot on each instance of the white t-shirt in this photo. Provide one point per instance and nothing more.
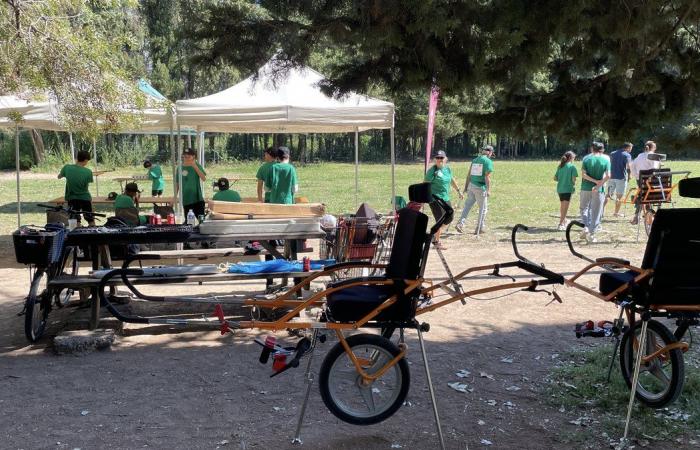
(641, 162)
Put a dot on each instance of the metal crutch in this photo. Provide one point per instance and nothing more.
(618, 323)
(482, 207)
(430, 387)
(635, 377)
(309, 382)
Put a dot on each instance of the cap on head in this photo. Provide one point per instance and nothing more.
(282, 152)
(272, 151)
(190, 152)
(597, 146)
(131, 187)
(440, 154)
(222, 183)
(487, 149)
(147, 163)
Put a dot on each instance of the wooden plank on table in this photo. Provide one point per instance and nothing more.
(267, 209)
(297, 200)
(225, 216)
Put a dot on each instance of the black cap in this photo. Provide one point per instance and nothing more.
(272, 151)
(189, 151)
(222, 183)
(147, 163)
(282, 152)
(131, 187)
(441, 154)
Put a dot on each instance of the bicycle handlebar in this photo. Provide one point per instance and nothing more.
(571, 245)
(514, 243)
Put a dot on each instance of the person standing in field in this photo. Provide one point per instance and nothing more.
(78, 178)
(270, 157)
(155, 174)
(282, 179)
(565, 177)
(441, 181)
(594, 173)
(478, 188)
(193, 175)
(642, 162)
(620, 173)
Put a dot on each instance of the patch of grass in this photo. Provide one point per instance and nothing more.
(579, 385)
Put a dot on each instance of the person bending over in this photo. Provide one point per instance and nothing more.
(78, 177)
(225, 194)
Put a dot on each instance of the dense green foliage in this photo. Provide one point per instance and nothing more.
(532, 78)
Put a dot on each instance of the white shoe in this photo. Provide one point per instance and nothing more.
(561, 227)
(459, 227)
(592, 239)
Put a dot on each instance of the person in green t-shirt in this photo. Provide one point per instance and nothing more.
(126, 205)
(225, 194)
(155, 174)
(478, 188)
(441, 181)
(565, 177)
(270, 159)
(282, 179)
(193, 175)
(78, 177)
(595, 171)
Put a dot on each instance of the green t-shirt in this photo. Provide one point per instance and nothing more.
(77, 180)
(565, 179)
(595, 167)
(156, 175)
(125, 201)
(262, 174)
(191, 185)
(440, 180)
(481, 165)
(282, 180)
(227, 196)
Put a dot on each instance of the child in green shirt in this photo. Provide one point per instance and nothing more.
(270, 159)
(225, 194)
(78, 177)
(155, 174)
(565, 177)
(282, 179)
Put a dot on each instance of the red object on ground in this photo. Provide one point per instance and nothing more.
(279, 361)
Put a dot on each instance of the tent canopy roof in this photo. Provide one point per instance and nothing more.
(292, 103)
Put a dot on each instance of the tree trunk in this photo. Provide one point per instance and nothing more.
(39, 150)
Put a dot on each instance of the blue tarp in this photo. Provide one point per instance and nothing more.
(149, 90)
(277, 265)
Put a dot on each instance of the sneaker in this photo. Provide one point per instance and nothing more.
(459, 227)
(634, 221)
(591, 239)
(561, 227)
(598, 229)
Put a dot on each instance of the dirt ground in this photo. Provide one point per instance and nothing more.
(172, 389)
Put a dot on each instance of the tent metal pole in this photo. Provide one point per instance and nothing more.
(200, 146)
(94, 158)
(357, 163)
(181, 207)
(72, 146)
(393, 174)
(19, 205)
(173, 153)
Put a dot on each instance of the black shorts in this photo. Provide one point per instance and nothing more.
(437, 210)
(82, 205)
(566, 197)
(197, 208)
(158, 192)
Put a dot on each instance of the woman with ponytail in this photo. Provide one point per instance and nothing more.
(565, 177)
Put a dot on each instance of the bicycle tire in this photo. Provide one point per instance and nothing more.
(672, 360)
(36, 307)
(330, 376)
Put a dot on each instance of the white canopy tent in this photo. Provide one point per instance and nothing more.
(293, 103)
(42, 114)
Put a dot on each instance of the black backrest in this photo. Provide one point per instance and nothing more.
(673, 251)
(407, 249)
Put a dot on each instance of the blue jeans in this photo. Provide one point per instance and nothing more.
(475, 195)
(591, 209)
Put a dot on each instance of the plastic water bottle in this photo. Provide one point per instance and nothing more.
(190, 217)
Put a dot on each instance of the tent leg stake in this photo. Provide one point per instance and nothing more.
(309, 383)
(635, 377)
(430, 387)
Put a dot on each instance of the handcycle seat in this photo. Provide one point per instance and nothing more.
(673, 253)
(405, 263)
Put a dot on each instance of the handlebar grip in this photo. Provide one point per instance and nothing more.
(571, 244)
(513, 242)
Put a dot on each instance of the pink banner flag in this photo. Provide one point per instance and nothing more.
(432, 110)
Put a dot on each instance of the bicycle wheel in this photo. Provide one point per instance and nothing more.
(649, 220)
(70, 266)
(37, 307)
(341, 386)
(660, 379)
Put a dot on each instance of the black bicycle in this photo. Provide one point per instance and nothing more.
(45, 251)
